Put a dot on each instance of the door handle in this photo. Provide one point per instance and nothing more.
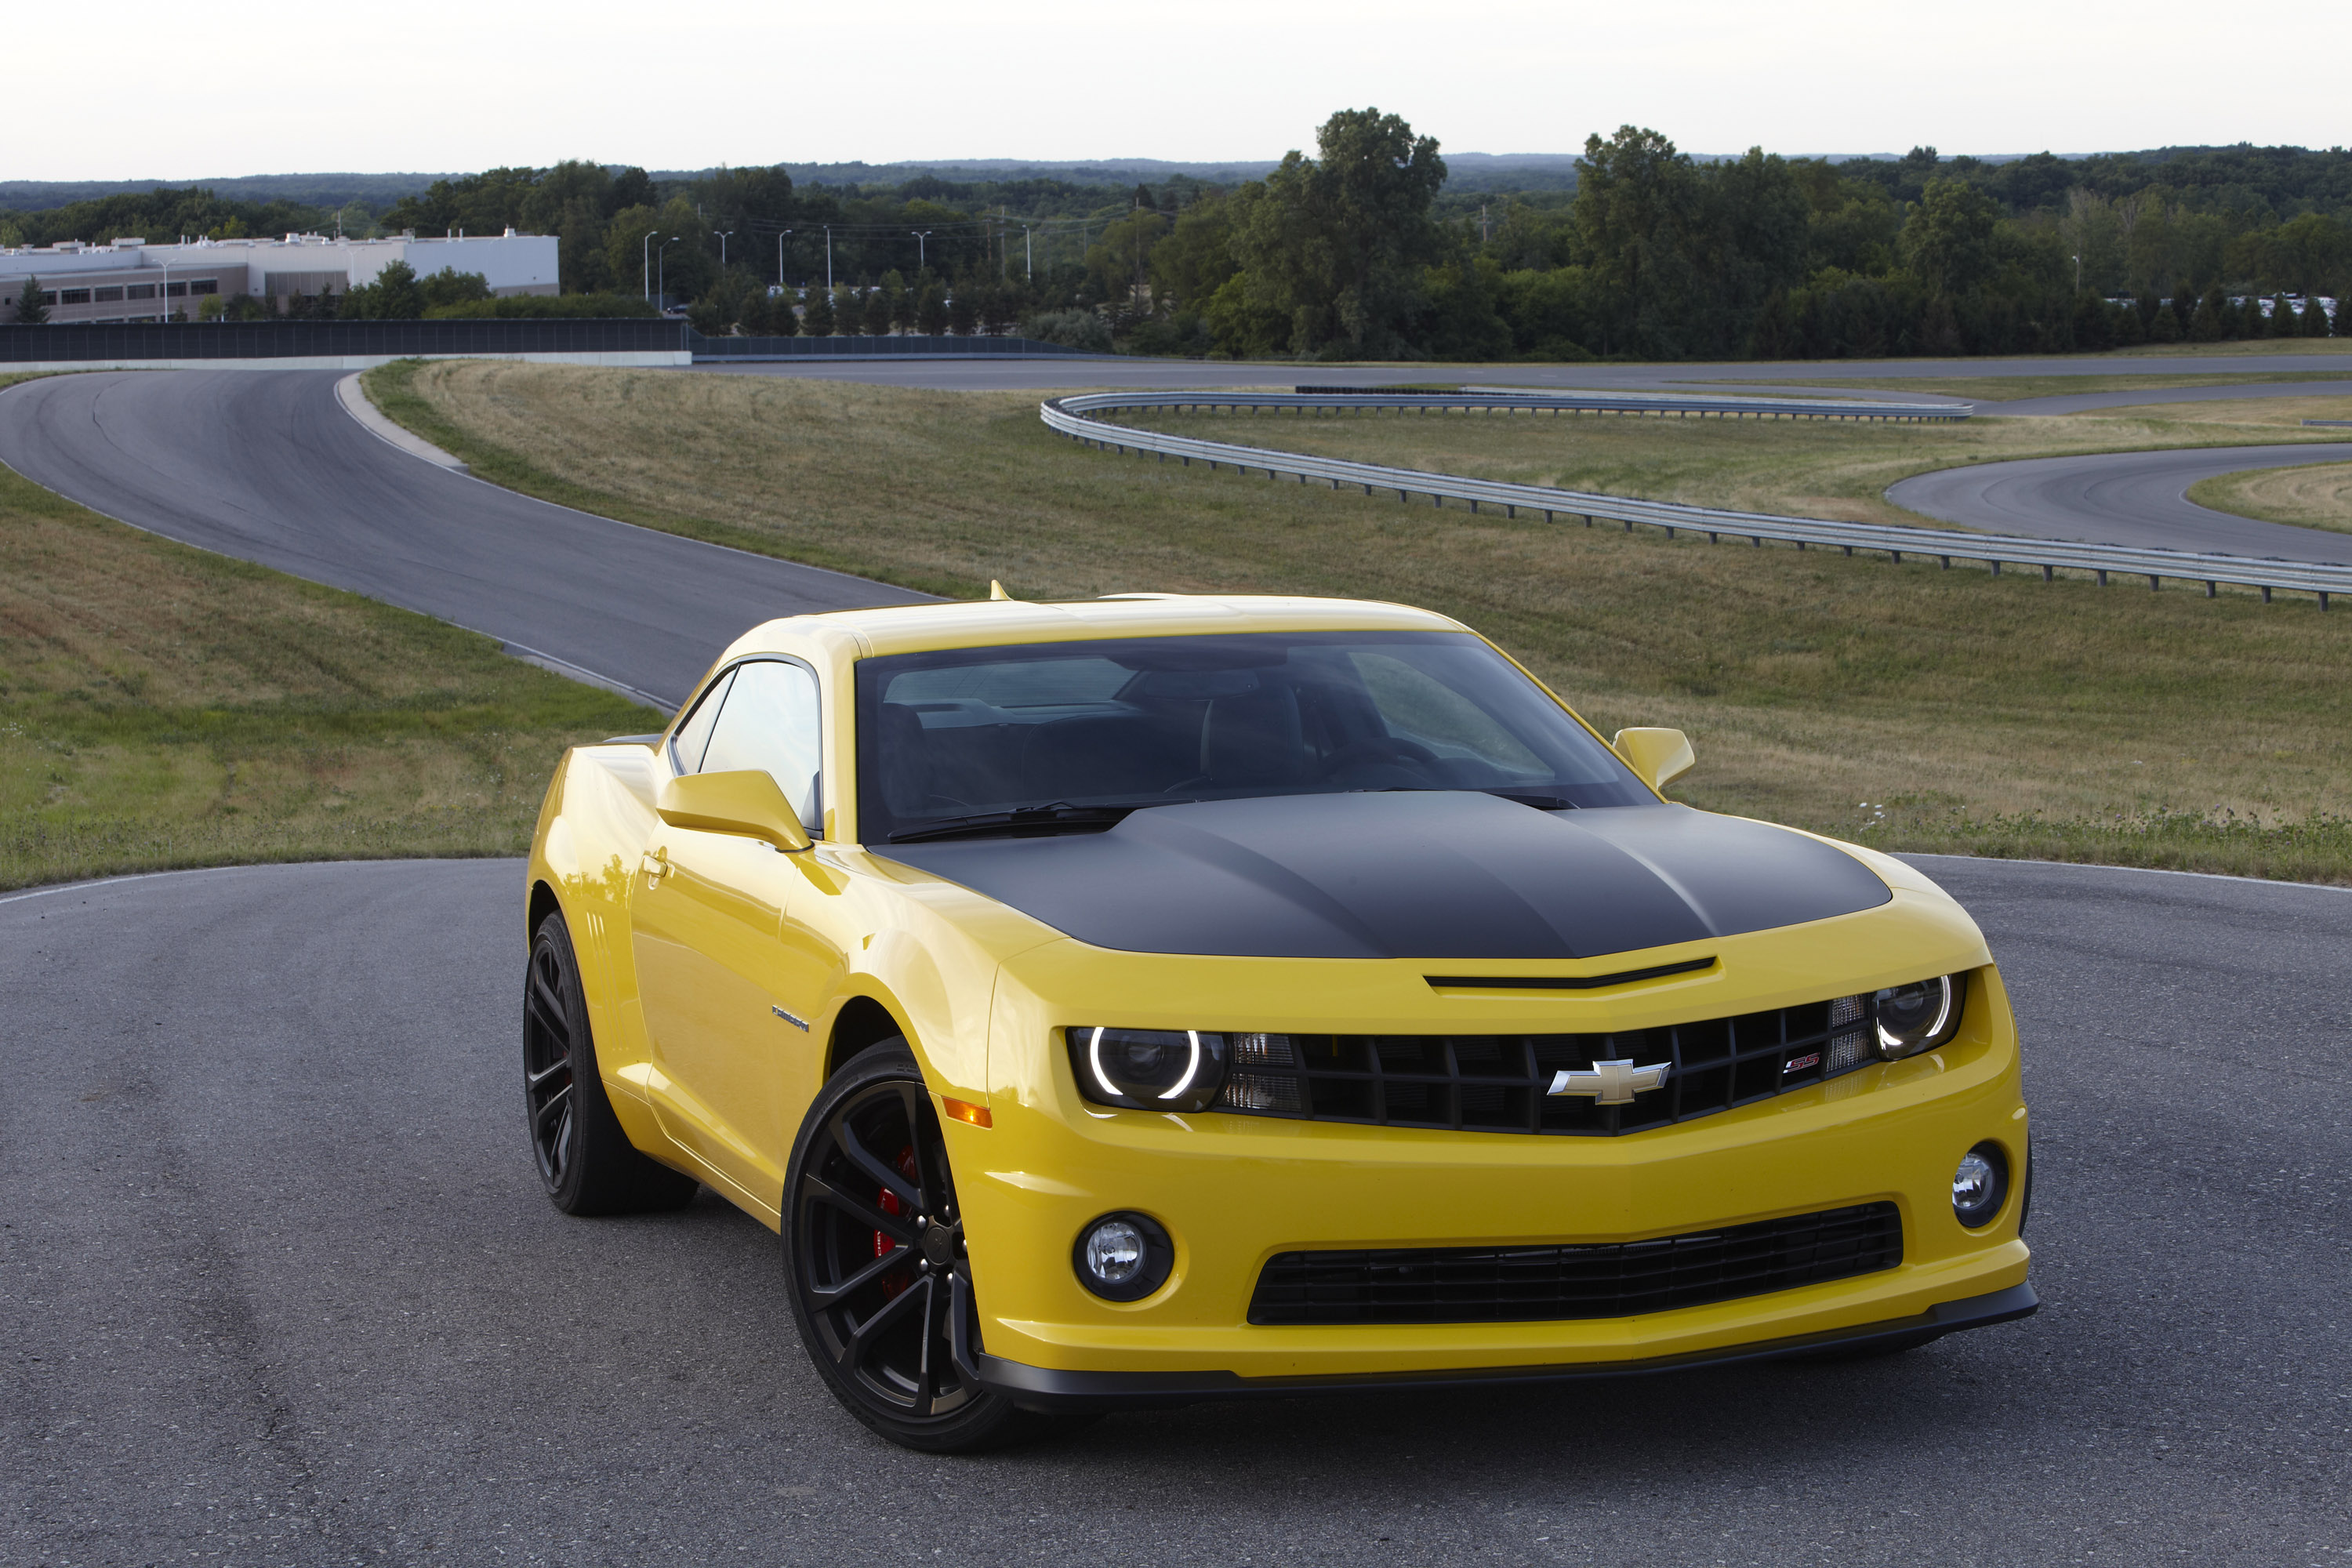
(656, 866)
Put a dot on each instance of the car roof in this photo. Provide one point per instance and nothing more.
(988, 623)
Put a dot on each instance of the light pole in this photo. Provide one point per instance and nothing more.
(661, 269)
(722, 247)
(1028, 254)
(645, 262)
(780, 255)
(2078, 275)
(828, 259)
(921, 235)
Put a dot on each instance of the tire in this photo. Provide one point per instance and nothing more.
(889, 1322)
(585, 1161)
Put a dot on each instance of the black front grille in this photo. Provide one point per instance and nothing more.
(1502, 1083)
(1613, 1279)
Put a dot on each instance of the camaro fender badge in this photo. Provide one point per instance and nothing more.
(1611, 1083)
(799, 1024)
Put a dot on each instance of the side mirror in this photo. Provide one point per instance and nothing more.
(747, 803)
(1660, 756)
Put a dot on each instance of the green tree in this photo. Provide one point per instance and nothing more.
(1337, 243)
(876, 313)
(931, 308)
(1636, 207)
(1192, 260)
(2207, 325)
(817, 319)
(451, 287)
(32, 309)
(1949, 239)
(964, 310)
(394, 296)
(2315, 320)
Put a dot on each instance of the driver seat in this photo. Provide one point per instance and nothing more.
(1253, 738)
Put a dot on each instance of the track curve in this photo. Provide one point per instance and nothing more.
(281, 1287)
(268, 466)
(2125, 498)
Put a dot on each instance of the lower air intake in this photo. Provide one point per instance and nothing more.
(1613, 1279)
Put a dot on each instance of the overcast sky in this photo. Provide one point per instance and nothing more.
(176, 93)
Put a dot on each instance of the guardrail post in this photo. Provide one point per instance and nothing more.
(2266, 588)
(2151, 583)
(2102, 577)
(2047, 576)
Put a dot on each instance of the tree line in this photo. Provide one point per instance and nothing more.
(1360, 250)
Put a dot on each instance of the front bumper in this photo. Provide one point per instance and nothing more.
(1235, 1192)
(1048, 1390)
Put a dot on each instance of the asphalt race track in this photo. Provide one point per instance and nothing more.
(280, 1287)
(268, 466)
(2125, 498)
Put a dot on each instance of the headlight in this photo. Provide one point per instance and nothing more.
(1924, 1012)
(1149, 1069)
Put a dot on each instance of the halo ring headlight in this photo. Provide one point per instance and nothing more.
(1914, 1017)
(1149, 1069)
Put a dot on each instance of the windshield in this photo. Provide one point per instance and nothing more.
(1060, 736)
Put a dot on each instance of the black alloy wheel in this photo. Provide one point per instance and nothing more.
(881, 1282)
(585, 1161)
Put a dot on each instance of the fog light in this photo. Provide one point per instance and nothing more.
(1980, 1185)
(1123, 1257)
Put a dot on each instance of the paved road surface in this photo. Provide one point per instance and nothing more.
(266, 465)
(2125, 498)
(280, 1288)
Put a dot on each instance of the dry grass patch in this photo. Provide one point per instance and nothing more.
(2010, 388)
(1974, 714)
(161, 707)
(2317, 497)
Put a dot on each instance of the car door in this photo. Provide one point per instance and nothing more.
(707, 926)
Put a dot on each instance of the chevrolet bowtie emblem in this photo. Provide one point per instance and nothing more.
(1611, 1083)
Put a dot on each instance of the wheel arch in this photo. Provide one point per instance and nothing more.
(861, 1022)
(543, 903)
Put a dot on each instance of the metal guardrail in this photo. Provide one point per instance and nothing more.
(1074, 417)
(1350, 400)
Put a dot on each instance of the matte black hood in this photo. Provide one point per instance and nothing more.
(1421, 874)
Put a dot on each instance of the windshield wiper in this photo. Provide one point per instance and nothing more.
(1059, 817)
(1541, 802)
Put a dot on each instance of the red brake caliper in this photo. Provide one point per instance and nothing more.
(897, 1279)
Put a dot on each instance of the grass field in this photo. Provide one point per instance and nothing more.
(1905, 706)
(2317, 497)
(1827, 469)
(2010, 388)
(161, 707)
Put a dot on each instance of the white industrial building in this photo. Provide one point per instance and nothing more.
(131, 280)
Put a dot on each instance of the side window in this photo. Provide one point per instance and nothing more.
(685, 747)
(770, 721)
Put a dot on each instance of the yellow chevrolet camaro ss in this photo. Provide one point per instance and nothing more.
(1163, 998)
